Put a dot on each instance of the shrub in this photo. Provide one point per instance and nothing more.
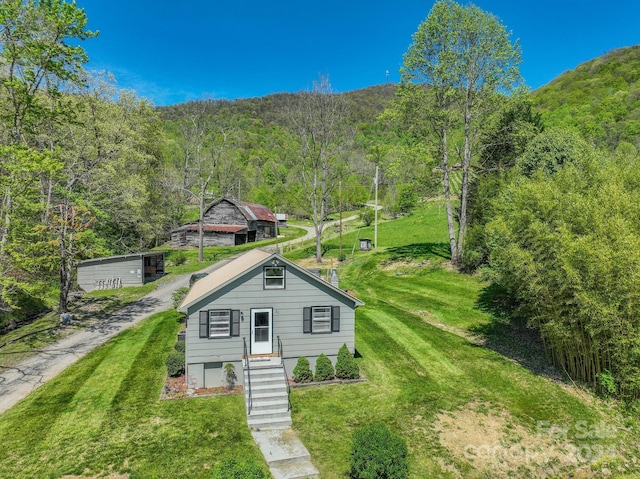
(175, 363)
(367, 215)
(378, 454)
(230, 375)
(324, 369)
(178, 296)
(180, 346)
(346, 365)
(234, 469)
(178, 258)
(302, 372)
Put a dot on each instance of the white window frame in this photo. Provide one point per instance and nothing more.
(282, 278)
(321, 319)
(221, 319)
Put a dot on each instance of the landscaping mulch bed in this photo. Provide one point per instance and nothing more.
(177, 388)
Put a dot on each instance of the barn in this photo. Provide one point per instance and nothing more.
(228, 222)
(118, 271)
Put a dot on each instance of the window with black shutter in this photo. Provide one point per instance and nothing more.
(321, 319)
(219, 323)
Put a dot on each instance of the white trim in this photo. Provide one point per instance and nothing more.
(262, 346)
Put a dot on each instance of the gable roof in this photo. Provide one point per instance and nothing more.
(241, 265)
(251, 211)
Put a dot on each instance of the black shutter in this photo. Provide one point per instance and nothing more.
(235, 322)
(306, 320)
(335, 319)
(204, 324)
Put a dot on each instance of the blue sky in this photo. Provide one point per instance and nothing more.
(171, 52)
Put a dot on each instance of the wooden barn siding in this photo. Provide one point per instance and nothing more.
(190, 238)
(90, 274)
(287, 307)
(225, 213)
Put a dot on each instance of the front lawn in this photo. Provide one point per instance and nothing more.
(102, 415)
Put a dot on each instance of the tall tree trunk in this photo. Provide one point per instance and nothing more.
(466, 162)
(447, 196)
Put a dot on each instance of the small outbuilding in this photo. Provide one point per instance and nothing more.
(228, 222)
(119, 271)
(365, 244)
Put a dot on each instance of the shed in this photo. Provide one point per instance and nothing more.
(282, 219)
(365, 244)
(119, 271)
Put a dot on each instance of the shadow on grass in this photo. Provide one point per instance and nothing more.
(510, 337)
(420, 250)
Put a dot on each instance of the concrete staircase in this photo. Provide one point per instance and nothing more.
(270, 421)
(269, 407)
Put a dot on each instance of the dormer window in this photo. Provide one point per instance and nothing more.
(274, 277)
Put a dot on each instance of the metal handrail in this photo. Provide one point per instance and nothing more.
(248, 368)
(286, 376)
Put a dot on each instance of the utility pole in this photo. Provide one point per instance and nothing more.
(340, 195)
(375, 217)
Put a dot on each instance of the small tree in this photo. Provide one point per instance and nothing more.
(302, 372)
(230, 376)
(367, 215)
(324, 369)
(346, 365)
(378, 454)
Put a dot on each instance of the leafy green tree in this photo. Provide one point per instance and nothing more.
(464, 56)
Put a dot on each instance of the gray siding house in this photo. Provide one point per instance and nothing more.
(119, 271)
(262, 305)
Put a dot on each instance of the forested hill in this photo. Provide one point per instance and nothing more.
(600, 97)
(365, 105)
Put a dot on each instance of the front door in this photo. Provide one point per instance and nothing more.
(261, 337)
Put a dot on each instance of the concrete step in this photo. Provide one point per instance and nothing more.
(268, 405)
(300, 470)
(265, 377)
(276, 413)
(265, 388)
(269, 395)
(268, 424)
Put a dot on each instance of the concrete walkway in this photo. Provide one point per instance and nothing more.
(286, 455)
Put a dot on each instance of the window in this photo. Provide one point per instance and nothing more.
(274, 277)
(219, 323)
(321, 319)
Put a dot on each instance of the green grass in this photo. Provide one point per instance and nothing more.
(102, 415)
(418, 368)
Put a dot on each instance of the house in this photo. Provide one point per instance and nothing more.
(228, 222)
(261, 305)
(118, 271)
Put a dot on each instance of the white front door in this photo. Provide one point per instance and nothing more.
(261, 335)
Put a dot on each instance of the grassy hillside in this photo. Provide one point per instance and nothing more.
(601, 98)
(441, 371)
